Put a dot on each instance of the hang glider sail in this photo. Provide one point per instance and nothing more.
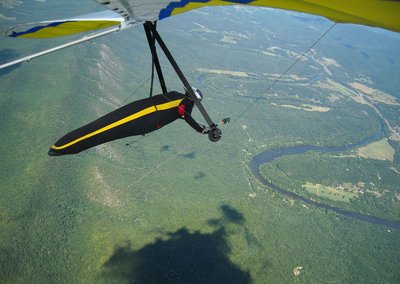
(125, 13)
(128, 13)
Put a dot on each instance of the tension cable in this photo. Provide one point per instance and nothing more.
(282, 74)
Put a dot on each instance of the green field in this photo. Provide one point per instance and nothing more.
(333, 193)
(172, 207)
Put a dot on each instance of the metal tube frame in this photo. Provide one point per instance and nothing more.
(179, 72)
(155, 61)
(50, 50)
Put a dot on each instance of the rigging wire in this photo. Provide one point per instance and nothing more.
(153, 169)
(152, 76)
(128, 98)
(282, 74)
(135, 91)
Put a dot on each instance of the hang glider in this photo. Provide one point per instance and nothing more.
(122, 14)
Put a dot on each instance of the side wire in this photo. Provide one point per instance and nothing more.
(282, 74)
(135, 91)
(127, 99)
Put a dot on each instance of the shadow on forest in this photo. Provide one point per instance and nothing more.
(180, 257)
(232, 214)
(7, 55)
(200, 175)
(165, 148)
(190, 155)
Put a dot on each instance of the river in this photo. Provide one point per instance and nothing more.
(272, 154)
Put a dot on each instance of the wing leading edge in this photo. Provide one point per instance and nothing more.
(64, 27)
(376, 13)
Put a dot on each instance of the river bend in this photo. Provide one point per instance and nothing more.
(272, 154)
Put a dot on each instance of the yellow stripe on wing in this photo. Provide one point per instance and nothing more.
(377, 13)
(124, 120)
(66, 28)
